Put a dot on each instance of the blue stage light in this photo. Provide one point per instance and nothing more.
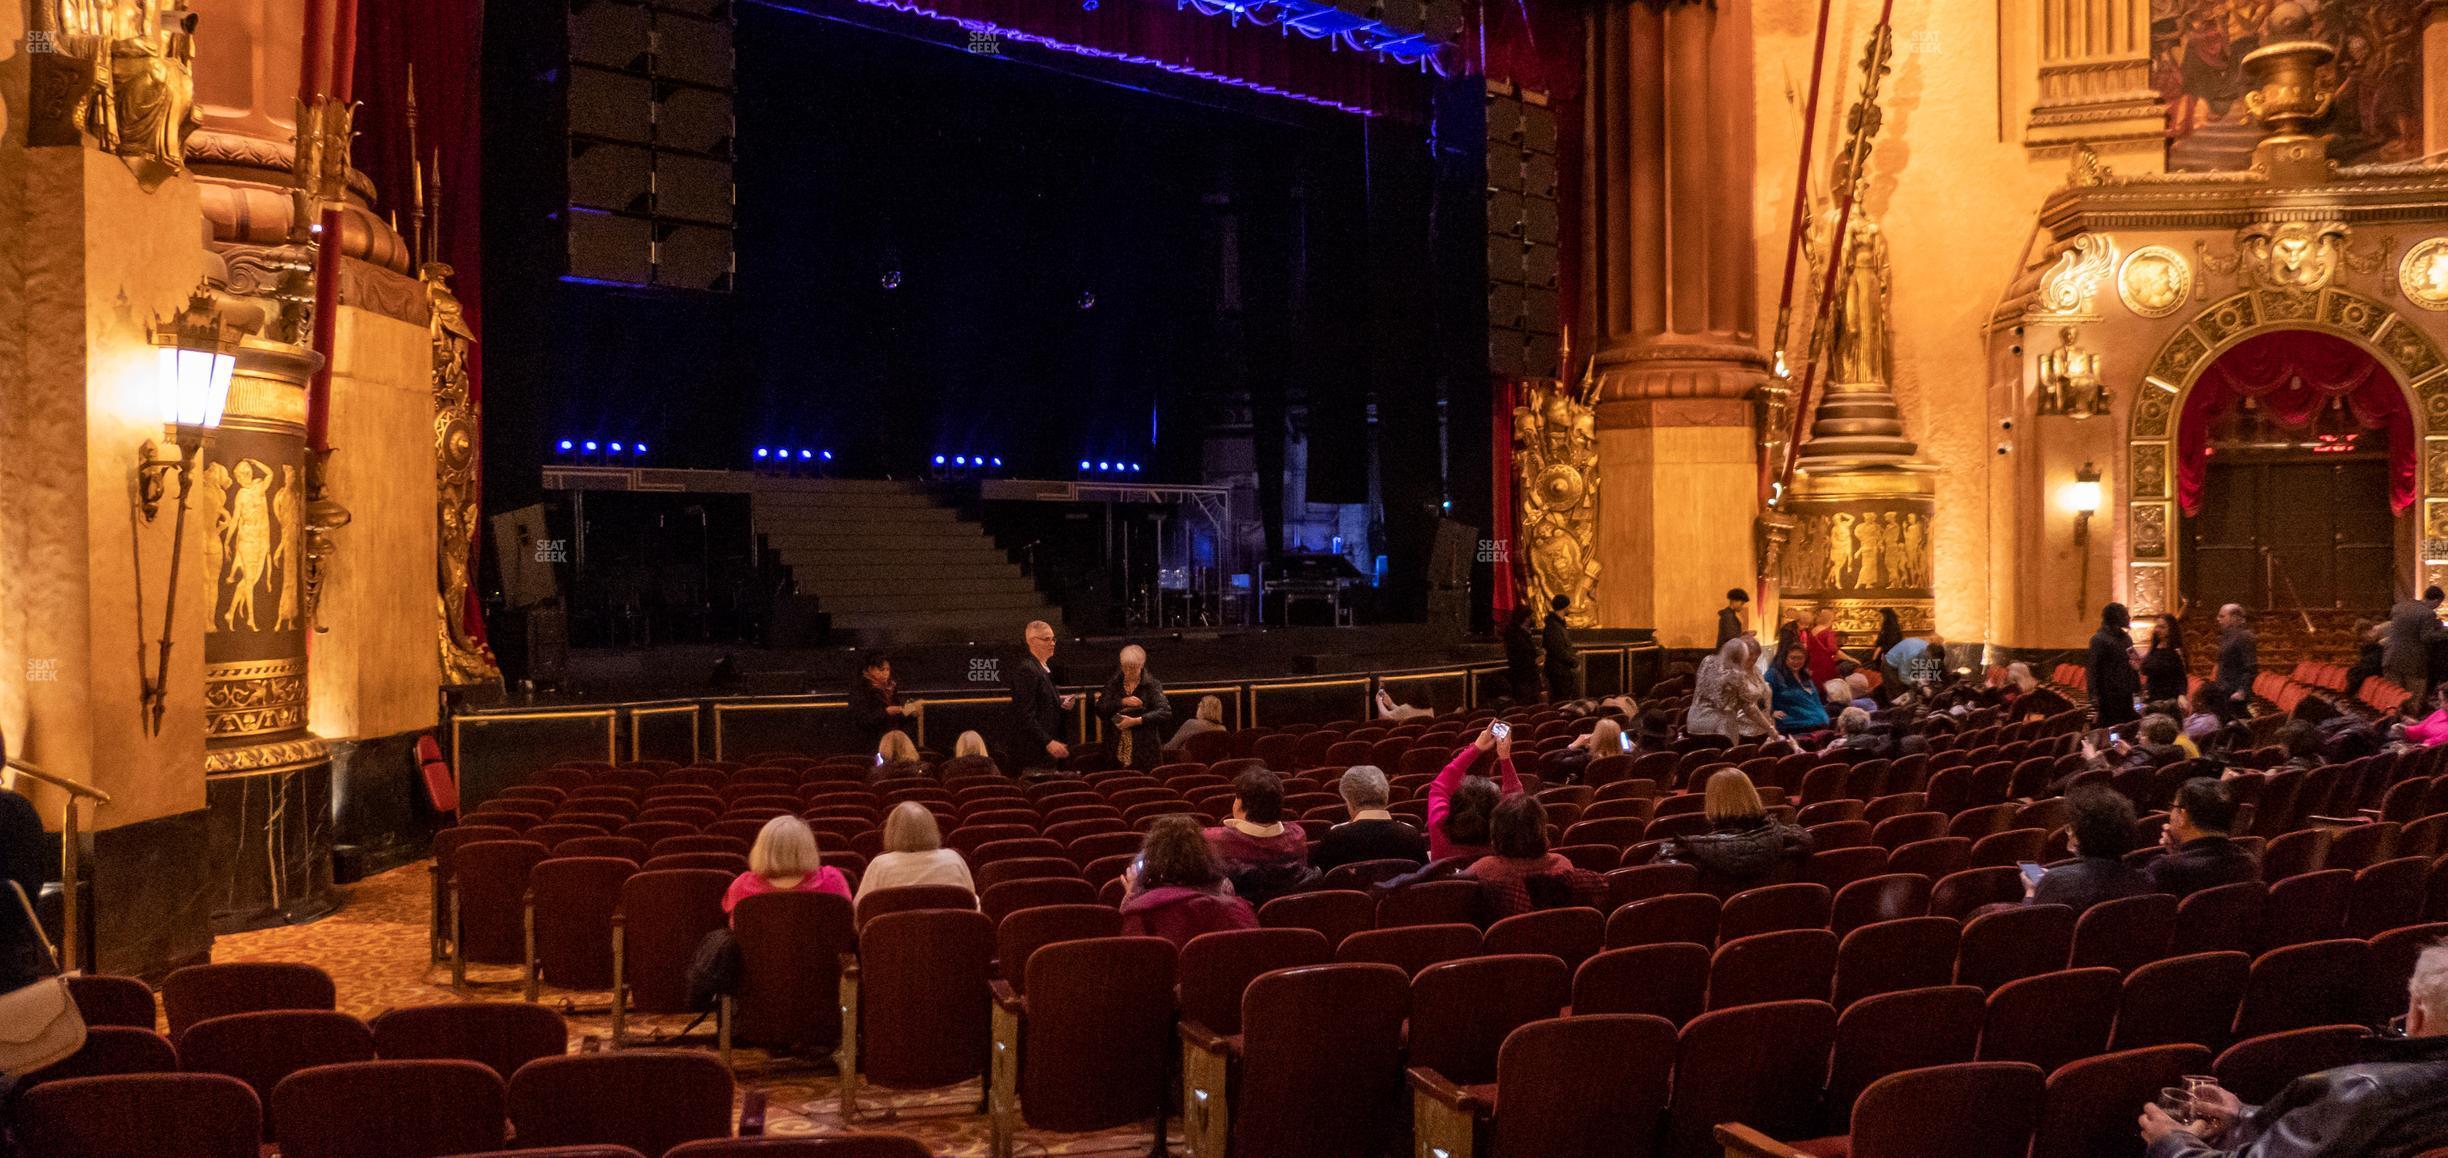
(1083, 464)
(590, 446)
(804, 454)
(939, 460)
(998, 462)
(1134, 468)
(616, 448)
(641, 448)
(828, 456)
(566, 445)
(958, 460)
(760, 452)
(1104, 466)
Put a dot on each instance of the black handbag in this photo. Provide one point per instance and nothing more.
(713, 970)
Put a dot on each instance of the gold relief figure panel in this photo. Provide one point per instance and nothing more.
(2294, 257)
(2148, 588)
(2410, 348)
(215, 509)
(2435, 520)
(2228, 318)
(2178, 357)
(1555, 457)
(2150, 530)
(2348, 312)
(248, 543)
(2154, 281)
(2423, 275)
(2288, 306)
(2150, 470)
(1858, 550)
(2435, 466)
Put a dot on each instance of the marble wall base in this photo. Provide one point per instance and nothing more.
(270, 848)
(152, 910)
(380, 818)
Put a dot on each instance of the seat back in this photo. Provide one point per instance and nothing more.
(649, 1100)
(499, 1035)
(1748, 1065)
(1462, 1010)
(923, 978)
(2090, 1104)
(2220, 918)
(2003, 946)
(1024, 932)
(1793, 965)
(2124, 934)
(388, 1109)
(1307, 1094)
(907, 898)
(2180, 1000)
(141, 1116)
(198, 992)
(2386, 896)
(109, 1049)
(2256, 1068)
(2315, 983)
(2309, 906)
(1410, 948)
(1429, 903)
(1886, 897)
(1098, 1040)
(106, 1000)
(665, 914)
(1773, 909)
(1216, 968)
(790, 947)
(1333, 913)
(573, 899)
(1969, 1108)
(1008, 897)
(1677, 917)
(1893, 1032)
(2050, 1019)
(1572, 934)
(1588, 1084)
(262, 1048)
(1909, 953)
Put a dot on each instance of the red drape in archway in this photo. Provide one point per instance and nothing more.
(2291, 375)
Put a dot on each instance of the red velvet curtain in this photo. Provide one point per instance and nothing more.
(441, 42)
(2291, 375)
(1182, 39)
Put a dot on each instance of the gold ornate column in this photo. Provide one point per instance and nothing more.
(466, 661)
(1672, 301)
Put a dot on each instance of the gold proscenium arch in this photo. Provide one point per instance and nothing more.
(2150, 482)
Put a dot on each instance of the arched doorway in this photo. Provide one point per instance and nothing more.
(2295, 452)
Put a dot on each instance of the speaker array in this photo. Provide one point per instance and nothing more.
(649, 92)
(1521, 234)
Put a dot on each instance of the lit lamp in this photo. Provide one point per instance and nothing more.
(194, 354)
(2082, 496)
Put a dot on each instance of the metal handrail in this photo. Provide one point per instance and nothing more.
(72, 938)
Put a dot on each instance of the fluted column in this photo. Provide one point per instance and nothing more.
(2095, 74)
(1671, 270)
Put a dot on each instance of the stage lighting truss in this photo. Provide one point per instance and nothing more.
(1324, 20)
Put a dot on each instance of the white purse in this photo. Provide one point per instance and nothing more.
(39, 1023)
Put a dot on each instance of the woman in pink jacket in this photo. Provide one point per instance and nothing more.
(1459, 804)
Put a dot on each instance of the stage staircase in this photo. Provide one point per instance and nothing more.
(890, 563)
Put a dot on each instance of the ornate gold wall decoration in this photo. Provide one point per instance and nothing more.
(2154, 281)
(2070, 284)
(2150, 530)
(254, 697)
(2423, 275)
(2296, 257)
(1555, 463)
(465, 660)
(2070, 382)
(1869, 549)
(2148, 594)
(2150, 470)
(120, 73)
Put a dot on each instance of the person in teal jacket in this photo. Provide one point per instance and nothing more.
(1792, 697)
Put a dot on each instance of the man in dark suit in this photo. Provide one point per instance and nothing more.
(1372, 833)
(1563, 672)
(1730, 617)
(1036, 707)
(2200, 855)
(2238, 662)
(2114, 682)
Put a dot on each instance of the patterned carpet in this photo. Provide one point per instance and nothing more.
(375, 950)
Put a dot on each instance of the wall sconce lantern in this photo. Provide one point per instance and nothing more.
(2082, 496)
(194, 354)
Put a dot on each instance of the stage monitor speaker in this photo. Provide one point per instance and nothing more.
(612, 35)
(525, 550)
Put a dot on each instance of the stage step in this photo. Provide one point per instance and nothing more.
(890, 564)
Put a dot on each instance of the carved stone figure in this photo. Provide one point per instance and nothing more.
(291, 505)
(1860, 352)
(250, 545)
(2295, 256)
(216, 538)
(1555, 456)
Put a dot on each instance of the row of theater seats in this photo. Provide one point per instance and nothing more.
(256, 1054)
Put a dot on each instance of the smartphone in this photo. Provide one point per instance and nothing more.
(1500, 729)
(2032, 870)
(1624, 739)
(2116, 737)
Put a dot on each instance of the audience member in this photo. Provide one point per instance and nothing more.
(1563, 664)
(1372, 833)
(896, 757)
(2100, 833)
(2027, 698)
(1890, 633)
(2391, 1104)
(1728, 697)
(784, 860)
(1133, 705)
(875, 702)
(913, 854)
(2302, 741)
(1459, 803)
(2431, 730)
(1522, 657)
(1824, 649)
(1854, 736)
(1177, 890)
(2200, 855)
(1606, 738)
(1037, 707)
(23, 863)
(1793, 701)
(1520, 874)
(2163, 661)
(2238, 662)
(969, 758)
(1731, 617)
(2114, 683)
(2149, 744)
(2405, 642)
(1387, 709)
(1916, 661)
(2370, 655)
(1744, 846)
(1208, 718)
(1857, 692)
(1262, 855)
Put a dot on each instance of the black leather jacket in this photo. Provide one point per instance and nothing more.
(2394, 1105)
(1736, 857)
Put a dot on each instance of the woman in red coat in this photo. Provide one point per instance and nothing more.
(1176, 889)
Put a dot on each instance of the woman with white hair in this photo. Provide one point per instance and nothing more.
(784, 860)
(1208, 718)
(1132, 704)
(970, 758)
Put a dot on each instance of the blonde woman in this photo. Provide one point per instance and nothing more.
(895, 756)
(1210, 718)
(970, 758)
(784, 860)
(1605, 739)
(1744, 846)
(914, 854)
